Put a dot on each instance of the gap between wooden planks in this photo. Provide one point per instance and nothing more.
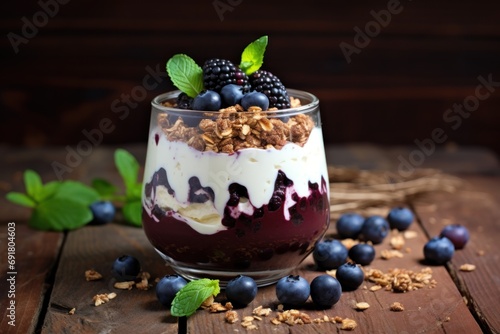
(476, 207)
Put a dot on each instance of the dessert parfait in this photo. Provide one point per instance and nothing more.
(235, 179)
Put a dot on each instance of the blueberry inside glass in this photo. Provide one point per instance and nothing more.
(233, 191)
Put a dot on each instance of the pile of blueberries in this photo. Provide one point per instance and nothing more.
(324, 290)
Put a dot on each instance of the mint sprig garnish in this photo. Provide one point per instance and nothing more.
(65, 205)
(252, 57)
(185, 74)
(192, 295)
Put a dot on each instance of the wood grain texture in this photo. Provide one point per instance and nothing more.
(476, 207)
(36, 257)
(133, 311)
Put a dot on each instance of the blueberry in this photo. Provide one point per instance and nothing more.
(349, 225)
(400, 218)
(292, 290)
(241, 290)
(375, 229)
(439, 250)
(103, 212)
(207, 100)
(167, 287)
(255, 99)
(362, 254)
(350, 276)
(458, 235)
(325, 291)
(329, 254)
(126, 268)
(231, 94)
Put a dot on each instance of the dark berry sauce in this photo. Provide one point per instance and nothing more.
(265, 240)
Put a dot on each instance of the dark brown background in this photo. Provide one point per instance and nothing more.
(396, 90)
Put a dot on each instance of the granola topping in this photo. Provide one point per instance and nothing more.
(231, 130)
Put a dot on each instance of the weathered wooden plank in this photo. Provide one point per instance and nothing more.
(35, 259)
(437, 310)
(133, 311)
(475, 207)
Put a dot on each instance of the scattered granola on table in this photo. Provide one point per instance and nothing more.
(397, 307)
(348, 324)
(143, 284)
(125, 285)
(218, 307)
(467, 267)
(361, 306)
(388, 254)
(261, 311)
(401, 280)
(292, 317)
(103, 298)
(397, 241)
(231, 316)
(92, 275)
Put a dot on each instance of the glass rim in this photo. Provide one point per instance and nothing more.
(312, 103)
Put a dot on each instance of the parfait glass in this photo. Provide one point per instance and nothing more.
(235, 192)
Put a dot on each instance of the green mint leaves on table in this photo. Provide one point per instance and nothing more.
(192, 295)
(56, 205)
(185, 74)
(65, 205)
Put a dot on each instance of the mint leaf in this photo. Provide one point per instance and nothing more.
(135, 191)
(49, 189)
(132, 212)
(77, 192)
(20, 199)
(33, 184)
(185, 74)
(59, 214)
(105, 189)
(252, 57)
(192, 295)
(128, 167)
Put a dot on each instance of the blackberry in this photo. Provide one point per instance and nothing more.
(218, 73)
(184, 101)
(269, 84)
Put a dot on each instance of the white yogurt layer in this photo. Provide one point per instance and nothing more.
(255, 169)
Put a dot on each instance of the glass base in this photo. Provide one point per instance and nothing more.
(262, 278)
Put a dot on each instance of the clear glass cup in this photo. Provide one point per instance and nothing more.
(228, 193)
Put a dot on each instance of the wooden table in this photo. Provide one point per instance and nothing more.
(50, 266)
